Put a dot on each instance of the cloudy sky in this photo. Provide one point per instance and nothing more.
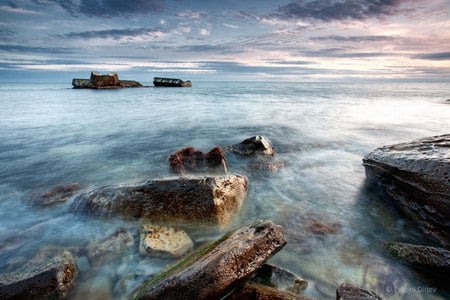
(226, 40)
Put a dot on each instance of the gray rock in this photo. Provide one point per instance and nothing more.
(256, 291)
(350, 292)
(421, 256)
(280, 279)
(52, 279)
(109, 248)
(215, 269)
(255, 145)
(416, 176)
(201, 200)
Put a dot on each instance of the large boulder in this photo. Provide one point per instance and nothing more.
(431, 258)
(193, 160)
(255, 145)
(416, 176)
(215, 269)
(348, 291)
(201, 200)
(49, 280)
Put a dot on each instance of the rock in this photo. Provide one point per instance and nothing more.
(347, 291)
(98, 81)
(433, 258)
(200, 200)
(416, 176)
(58, 194)
(52, 279)
(192, 160)
(255, 145)
(215, 269)
(266, 165)
(111, 247)
(280, 279)
(255, 291)
(323, 228)
(162, 241)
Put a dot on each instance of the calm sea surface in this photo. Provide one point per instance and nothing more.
(52, 134)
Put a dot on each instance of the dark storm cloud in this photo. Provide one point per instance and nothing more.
(434, 56)
(110, 8)
(354, 39)
(328, 10)
(32, 49)
(113, 33)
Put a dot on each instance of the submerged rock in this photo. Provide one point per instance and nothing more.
(432, 258)
(256, 291)
(56, 195)
(193, 160)
(214, 270)
(52, 279)
(111, 247)
(280, 279)
(255, 145)
(206, 200)
(416, 176)
(163, 241)
(348, 291)
(266, 165)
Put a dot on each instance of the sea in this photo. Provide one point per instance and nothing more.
(51, 134)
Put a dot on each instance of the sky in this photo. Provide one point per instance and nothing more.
(316, 40)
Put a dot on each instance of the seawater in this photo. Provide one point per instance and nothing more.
(52, 134)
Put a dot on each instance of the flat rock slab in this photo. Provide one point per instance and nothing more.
(214, 270)
(189, 200)
(164, 241)
(421, 256)
(52, 279)
(416, 176)
(350, 292)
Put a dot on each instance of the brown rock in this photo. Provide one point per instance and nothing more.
(416, 177)
(280, 279)
(98, 81)
(348, 291)
(255, 291)
(52, 279)
(216, 269)
(58, 194)
(323, 228)
(192, 160)
(201, 200)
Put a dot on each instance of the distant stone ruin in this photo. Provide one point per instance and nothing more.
(98, 81)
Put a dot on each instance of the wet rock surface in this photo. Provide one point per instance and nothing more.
(164, 241)
(50, 279)
(280, 279)
(192, 160)
(255, 145)
(214, 270)
(256, 291)
(56, 195)
(348, 291)
(206, 200)
(431, 258)
(99, 252)
(416, 176)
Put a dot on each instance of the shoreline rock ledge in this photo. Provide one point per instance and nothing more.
(416, 176)
(209, 200)
(216, 269)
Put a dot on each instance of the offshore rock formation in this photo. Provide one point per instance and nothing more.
(98, 81)
(209, 200)
(192, 160)
(433, 258)
(416, 176)
(215, 269)
(48, 280)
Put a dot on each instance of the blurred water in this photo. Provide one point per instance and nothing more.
(51, 134)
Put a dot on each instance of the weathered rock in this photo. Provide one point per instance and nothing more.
(432, 258)
(98, 81)
(256, 291)
(58, 194)
(163, 241)
(111, 247)
(52, 279)
(348, 291)
(280, 279)
(255, 145)
(215, 269)
(416, 176)
(203, 200)
(192, 160)
(323, 228)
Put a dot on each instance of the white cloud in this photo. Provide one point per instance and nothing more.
(204, 32)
